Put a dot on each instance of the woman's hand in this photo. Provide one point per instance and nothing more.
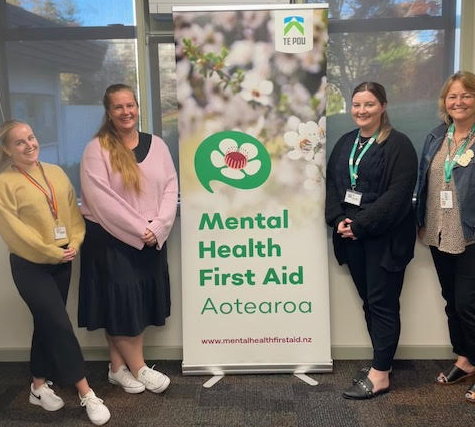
(149, 238)
(68, 255)
(344, 228)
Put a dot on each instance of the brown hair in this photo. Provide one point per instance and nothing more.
(121, 157)
(468, 81)
(5, 130)
(379, 93)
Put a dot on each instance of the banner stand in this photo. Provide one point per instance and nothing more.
(251, 91)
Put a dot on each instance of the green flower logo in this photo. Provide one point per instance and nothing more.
(232, 157)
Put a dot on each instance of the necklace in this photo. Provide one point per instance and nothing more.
(362, 143)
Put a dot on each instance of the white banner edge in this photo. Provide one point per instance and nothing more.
(231, 7)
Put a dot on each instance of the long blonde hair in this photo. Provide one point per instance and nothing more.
(121, 157)
(5, 130)
(377, 89)
(468, 81)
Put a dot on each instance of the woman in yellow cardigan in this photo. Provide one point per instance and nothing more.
(43, 228)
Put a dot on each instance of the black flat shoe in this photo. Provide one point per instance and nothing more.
(363, 373)
(452, 376)
(362, 390)
(470, 394)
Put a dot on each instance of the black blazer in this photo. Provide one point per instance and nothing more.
(388, 174)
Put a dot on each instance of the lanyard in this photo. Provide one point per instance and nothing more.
(51, 197)
(449, 165)
(352, 165)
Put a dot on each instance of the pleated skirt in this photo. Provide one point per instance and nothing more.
(121, 288)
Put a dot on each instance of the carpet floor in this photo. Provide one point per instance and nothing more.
(250, 400)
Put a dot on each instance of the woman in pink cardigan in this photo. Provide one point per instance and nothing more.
(129, 198)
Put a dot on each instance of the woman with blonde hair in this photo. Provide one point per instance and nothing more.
(371, 175)
(43, 228)
(129, 199)
(446, 218)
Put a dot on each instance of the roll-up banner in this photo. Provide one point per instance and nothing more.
(251, 112)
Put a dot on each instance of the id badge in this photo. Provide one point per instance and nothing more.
(446, 201)
(60, 233)
(353, 197)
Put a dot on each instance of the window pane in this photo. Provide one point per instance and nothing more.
(69, 13)
(40, 112)
(347, 9)
(408, 63)
(168, 98)
(57, 87)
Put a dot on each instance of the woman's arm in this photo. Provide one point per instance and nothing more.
(76, 220)
(22, 239)
(107, 207)
(162, 225)
(334, 212)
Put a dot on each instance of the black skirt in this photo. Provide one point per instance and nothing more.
(121, 289)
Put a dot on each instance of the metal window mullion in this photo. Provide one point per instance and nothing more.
(70, 33)
(448, 14)
(143, 76)
(4, 85)
(155, 86)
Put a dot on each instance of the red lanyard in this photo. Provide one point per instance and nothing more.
(51, 197)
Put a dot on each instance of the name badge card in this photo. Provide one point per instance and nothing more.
(446, 201)
(60, 233)
(353, 197)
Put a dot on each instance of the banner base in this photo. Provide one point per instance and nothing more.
(269, 368)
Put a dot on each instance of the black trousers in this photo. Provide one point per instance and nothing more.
(380, 290)
(55, 352)
(457, 279)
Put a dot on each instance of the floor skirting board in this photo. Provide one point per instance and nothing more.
(339, 352)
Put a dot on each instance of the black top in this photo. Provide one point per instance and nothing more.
(386, 176)
(143, 147)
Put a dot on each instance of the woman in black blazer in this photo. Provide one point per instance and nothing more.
(371, 176)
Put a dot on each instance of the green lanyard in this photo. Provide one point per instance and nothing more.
(449, 165)
(353, 166)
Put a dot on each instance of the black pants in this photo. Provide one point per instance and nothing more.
(457, 279)
(380, 290)
(55, 352)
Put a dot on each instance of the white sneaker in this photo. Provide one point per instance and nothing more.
(153, 380)
(124, 378)
(45, 397)
(95, 408)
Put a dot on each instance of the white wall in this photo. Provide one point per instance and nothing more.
(424, 330)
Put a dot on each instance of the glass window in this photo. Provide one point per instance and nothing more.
(362, 9)
(409, 64)
(69, 13)
(55, 81)
(168, 97)
(39, 110)
(354, 9)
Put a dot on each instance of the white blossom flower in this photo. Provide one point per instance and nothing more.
(235, 163)
(305, 140)
(292, 123)
(257, 90)
(240, 53)
(313, 174)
